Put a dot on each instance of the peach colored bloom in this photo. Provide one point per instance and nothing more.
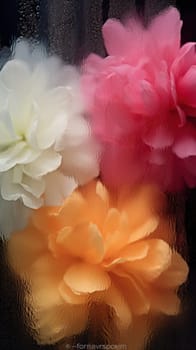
(98, 247)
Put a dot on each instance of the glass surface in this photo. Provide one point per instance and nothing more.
(72, 29)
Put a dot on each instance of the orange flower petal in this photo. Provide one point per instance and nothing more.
(84, 241)
(24, 247)
(142, 203)
(47, 220)
(157, 260)
(120, 235)
(96, 194)
(132, 252)
(74, 210)
(54, 318)
(175, 275)
(144, 230)
(45, 275)
(133, 292)
(135, 251)
(86, 278)
(165, 231)
(165, 301)
(112, 221)
(102, 192)
(56, 323)
(70, 297)
(114, 298)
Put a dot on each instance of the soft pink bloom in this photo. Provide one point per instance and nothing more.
(142, 101)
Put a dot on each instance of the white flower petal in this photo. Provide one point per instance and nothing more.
(15, 75)
(40, 74)
(21, 109)
(48, 161)
(3, 96)
(31, 132)
(17, 172)
(10, 156)
(19, 153)
(34, 186)
(76, 133)
(7, 133)
(53, 117)
(29, 52)
(58, 187)
(12, 192)
(30, 201)
(81, 162)
(15, 191)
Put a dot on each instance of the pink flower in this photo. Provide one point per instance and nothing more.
(142, 102)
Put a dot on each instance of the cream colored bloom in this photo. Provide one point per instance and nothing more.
(46, 148)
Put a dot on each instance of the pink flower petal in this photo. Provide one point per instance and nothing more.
(185, 144)
(187, 88)
(165, 31)
(159, 137)
(116, 38)
(184, 60)
(92, 64)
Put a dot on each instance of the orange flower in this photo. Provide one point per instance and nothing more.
(103, 248)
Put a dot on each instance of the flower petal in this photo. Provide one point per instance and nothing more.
(133, 292)
(115, 37)
(19, 153)
(34, 186)
(56, 323)
(81, 162)
(15, 75)
(185, 143)
(165, 301)
(45, 275)
(58, 187)
(112, 221)
(13, 191)
(7, 133)
(48, 161)
(184, 60)
(144, 230)
(175, 275)
(165, 30)
(154, 263)
(76, 133)
(70, 297)
(86, 278)
(186, 86)
(53, 117)
(90, 245)
(114, 298)
(24, 248)
(143, 219)
(160, 137)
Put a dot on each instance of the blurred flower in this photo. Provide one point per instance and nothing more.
(46, 148)
(98, 248)
(142, 102)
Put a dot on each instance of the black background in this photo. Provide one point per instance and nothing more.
(81, 21)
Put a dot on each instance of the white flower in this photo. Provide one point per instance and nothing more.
(46, 147)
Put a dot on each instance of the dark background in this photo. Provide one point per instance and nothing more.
(72, 29)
